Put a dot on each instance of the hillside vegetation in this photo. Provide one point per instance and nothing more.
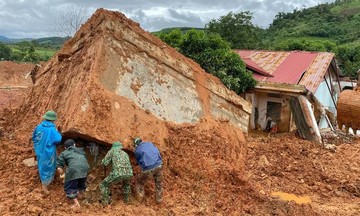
(34, 51)
(333, 27)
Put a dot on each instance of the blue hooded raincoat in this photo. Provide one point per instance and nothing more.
(45, 138)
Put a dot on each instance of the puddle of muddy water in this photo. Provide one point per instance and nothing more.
(291, 197)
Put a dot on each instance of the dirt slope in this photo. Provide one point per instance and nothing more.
(13, 83)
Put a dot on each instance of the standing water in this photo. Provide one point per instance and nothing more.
(292, 197)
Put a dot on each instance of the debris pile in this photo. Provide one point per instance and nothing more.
(336, 137)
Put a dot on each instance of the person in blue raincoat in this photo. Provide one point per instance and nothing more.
(45, 138)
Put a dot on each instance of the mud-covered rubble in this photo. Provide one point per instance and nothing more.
(337, 137)
(283, 162)
(332, 138)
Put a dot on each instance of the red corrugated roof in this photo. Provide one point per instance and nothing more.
(292, 68)
(316, 72)
(295, 67)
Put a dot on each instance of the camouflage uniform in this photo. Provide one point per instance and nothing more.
(121, 172)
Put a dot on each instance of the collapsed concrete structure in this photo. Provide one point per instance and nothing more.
(113, 80)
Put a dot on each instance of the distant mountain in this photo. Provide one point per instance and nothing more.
(4, 39)
(55, 42)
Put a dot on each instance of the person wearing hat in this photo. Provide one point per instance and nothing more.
(77, 166)
(45, 138)
(121, 172)
(149, 159)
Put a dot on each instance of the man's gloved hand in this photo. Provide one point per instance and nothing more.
(59, 129)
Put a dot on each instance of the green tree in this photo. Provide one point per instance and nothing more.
(5, 52)
(349, 59)
(31, 49)
(17, 55)
(214, 55)
(31, 57)
(172, 38)
(305, 45)
(236, 28)
(24, 46)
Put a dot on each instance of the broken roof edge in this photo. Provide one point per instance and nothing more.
(252, 65)
(315, 73)
(256, 68)
(280, 87)
(252, 52)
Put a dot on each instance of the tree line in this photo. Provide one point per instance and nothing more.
(26, 51)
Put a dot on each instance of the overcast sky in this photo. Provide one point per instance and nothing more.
(34, 18)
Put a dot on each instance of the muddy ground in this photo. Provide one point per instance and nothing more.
(199, 178)
(13, 83)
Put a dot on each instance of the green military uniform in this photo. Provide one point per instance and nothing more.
(75, 161)
(121, 172)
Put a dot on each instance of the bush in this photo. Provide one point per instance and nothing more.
(5, 52)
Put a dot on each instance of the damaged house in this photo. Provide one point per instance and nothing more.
(281, 75)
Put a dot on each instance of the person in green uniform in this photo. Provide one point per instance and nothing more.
(121, 172)
(77, 166)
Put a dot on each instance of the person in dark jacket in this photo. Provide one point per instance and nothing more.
(77, 166)
(149, 159)
(45, 138)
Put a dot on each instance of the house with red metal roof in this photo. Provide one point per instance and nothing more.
(282, 74)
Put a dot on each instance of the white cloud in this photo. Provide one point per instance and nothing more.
(34, 18)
